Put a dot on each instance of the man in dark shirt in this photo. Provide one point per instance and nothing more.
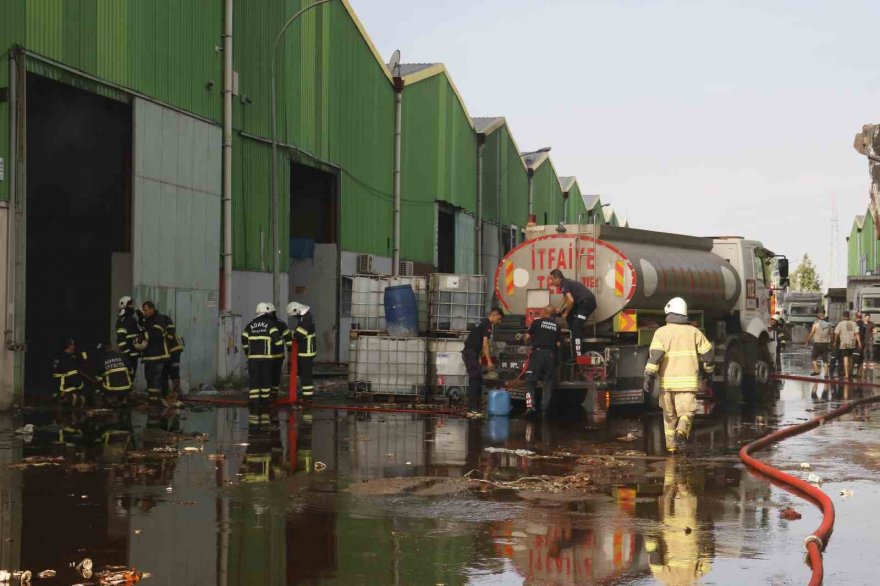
(578, 304)
(544, 336)
(478, 343)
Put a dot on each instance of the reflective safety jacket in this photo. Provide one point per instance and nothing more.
(286, 336)
(66, 371)
(114, 375)
(175, 343)
(261, 339)
(129, 328)
(305, 336)
(159, 330)
(675, 353)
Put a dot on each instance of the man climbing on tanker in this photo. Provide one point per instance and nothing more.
(674, 358)
(578, 304)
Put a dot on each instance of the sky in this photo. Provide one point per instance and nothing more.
(706, 118)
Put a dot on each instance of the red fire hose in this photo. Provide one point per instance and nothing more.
(815, 542)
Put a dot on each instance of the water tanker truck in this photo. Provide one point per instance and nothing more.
(726, 282)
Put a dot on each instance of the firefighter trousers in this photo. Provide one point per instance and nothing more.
(542, 367)
(679, 408)
(304, 369)
(154, 372)
(260, 376)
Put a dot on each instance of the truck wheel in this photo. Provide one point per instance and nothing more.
(764, 366)
(733, 370)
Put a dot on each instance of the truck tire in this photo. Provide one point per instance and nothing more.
(764, 366)
(734, 370)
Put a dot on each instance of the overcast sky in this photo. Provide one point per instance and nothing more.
(721, 117)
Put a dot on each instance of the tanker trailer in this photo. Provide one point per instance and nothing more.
(634, 273)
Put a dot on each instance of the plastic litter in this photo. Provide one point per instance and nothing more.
(520, 452)
(814, 479)
(846, 493)
(26, 430)
(319, 466)
(789, 514)
(169, 489)
(806, 466)
(191, 449)
(85, 564)
(47, 574)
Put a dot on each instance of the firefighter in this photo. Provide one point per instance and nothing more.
(172, 367)
(130, 337)
(544, 335)
(307, 349)
(578, 304)
(278, 358)
(114, 377)
(156, 357)
(477, 344)
(675, 355)
(66, 368)
(777, 326)
(261, 341)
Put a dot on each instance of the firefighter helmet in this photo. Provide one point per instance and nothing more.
(125, 301)
(677, 305)
(294, 308)
(264, 308)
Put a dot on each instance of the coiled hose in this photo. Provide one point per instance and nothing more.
(815, 542)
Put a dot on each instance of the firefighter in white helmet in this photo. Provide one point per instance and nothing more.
(261, 342)
(675, 355)
(131, 339)
(304, 333)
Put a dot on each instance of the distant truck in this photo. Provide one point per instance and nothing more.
(800, 310)
(835, 303)
(633, 273)
(863, 295)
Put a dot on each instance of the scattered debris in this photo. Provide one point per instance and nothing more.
(85, 564)
(192, 449)
(806, 466)
(540, 483)
(814, 478)
(846, 493)
(169, 489)
(520, 452)
(36, 461)
(475, 415)
(630, 437)
(47, 574)
(319, 466)
(243, 444)
(216, 457)
(26, 430)
(201, 438)
(789, 514)
(84, 467)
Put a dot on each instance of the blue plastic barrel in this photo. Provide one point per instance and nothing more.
(401, 312)
(499, 403)
(496, 430)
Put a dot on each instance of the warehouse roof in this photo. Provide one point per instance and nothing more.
(535, 160)
(487, 124)
(415, 72)
(566, 183)
(860, 222)
(594, 201)
(410, 68)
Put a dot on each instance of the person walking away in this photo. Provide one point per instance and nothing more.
(261, 341)
(475, 345)
(278, 360)
(130, 337)
(114, 377)
(156, 357)
(674, 356)
(578, 304)
(868, 343)
(846, 338)
(65, 369)
(820, 337)
(307, 348)
(544, 335)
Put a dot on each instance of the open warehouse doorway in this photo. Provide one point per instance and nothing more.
(314, 252)
(78, 215)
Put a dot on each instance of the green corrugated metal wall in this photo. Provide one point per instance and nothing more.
(505, 182)
(869, 242)
(547, 195)
(439, 161)
(11, 32)
(575, 206)
(343, 105)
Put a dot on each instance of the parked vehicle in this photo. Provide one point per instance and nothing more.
(800, 309)
(863, 294)
(835, 304)
(633, 273)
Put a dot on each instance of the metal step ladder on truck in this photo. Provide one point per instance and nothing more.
(726, 282)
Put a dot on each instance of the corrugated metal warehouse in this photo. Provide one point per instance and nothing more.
(115, 178)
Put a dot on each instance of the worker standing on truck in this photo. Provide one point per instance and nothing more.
(477, 343)
(261, 341)
(130, 337)
(578, 304)
(820, 336)
(306, 337)
(846, 338)
(675, 355)
(156, 356)
(544, 335)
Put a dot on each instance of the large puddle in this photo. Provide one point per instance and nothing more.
(224, 496)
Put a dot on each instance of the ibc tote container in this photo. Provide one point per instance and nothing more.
(388, 366)
(447, 372)
(368, 300)
(456, 303)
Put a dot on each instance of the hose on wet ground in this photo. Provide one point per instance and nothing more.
(817, 379)
(816, 542)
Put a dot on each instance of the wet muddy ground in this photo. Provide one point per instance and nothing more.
(221, 495)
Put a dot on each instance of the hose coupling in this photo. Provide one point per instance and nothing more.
(814, 539)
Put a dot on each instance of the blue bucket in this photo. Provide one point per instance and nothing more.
(401, 312)
(499, 403)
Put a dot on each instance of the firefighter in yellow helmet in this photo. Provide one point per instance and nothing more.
(675, 355)
(678, 553)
